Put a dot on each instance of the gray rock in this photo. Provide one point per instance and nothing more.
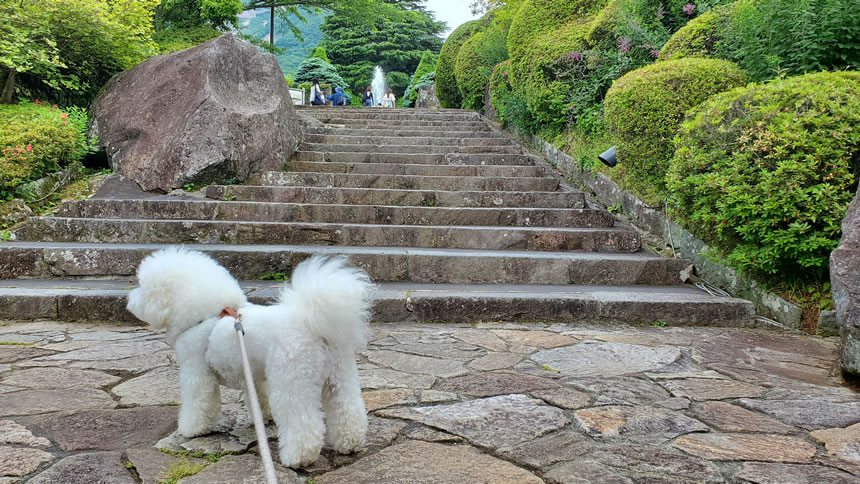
(388, 398)
(134, 364)
(758, 447)
(56, 378)
(384, 378)
(845, 280)
(33, 402)
(18, 462)
(87, 468)
(547, 450)
(657, 462)
(158, 387)
(808, 414)
(493, 422)
(619, 390)
(205, 114)
(240, 469)
(105, 352)
(489, 384)
(661, 424)
(592, 358)
(430, 435)
(562, 397)
(14, 211)
(701, 389)
(583, 472)
(107, 429)
(153, 466)
(417, 462)
(215, 444)
(417, 364)
(482, 338)
(495, 361)
(12, 353)
(14, 433)
(382, 431)
(730, 418)
(762, 473)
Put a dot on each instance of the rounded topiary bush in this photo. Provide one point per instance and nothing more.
(316, 68)
(700, 37)
(766, 172)
(475, 63)
(446, 81)
(644, 108)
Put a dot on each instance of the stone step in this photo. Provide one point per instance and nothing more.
(410, 182)
(402, 140)
(400, 124)
(402, 133)
(417, 169)
(410, 149)
(396, 116)
(425, 198)
(145, 231)
(41, 260)
(305, 110)
(197, 209)
(412, 159)
(87, 300)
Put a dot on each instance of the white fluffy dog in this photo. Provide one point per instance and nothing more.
(301, 349)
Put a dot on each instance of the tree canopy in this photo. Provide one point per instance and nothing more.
(395, 40)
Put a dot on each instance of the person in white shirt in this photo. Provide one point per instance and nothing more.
(388, 99)
(317, 96)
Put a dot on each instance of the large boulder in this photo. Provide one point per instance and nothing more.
(845, 281)
(202, 115)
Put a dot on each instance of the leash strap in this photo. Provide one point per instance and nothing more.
(259, 426)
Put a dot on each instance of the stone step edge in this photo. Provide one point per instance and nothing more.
(677, 306)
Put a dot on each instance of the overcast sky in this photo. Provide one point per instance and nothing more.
(455, 12)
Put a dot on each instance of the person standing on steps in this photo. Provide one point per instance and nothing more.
(388, 99)
(338, 98)
(317, 96)
(368, 97)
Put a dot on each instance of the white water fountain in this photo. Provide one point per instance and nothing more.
(378, 85)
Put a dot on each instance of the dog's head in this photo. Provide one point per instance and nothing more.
(177, 288)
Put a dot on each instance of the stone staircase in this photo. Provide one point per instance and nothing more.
(453, 219)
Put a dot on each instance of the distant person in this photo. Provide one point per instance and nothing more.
(317, 96)
(338, 98)
(388, 99)
(368, 97)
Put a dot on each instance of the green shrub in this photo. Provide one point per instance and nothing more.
(316, 68)
(446, 81)
(644, 108)
(475, 63)
(320, 53)
(426, 66)
(766, 172)
(172, 40)
(397, 82)
(700, 37)
(36, 139)
(511, 110)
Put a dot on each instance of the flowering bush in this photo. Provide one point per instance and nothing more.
(766, 172)
(36, 139)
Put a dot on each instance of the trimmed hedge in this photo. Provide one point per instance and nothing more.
(700, 37)
(446, 80)
(426, 66)
(644, 108)
(475, 63)
(36, 139)
(766, 172)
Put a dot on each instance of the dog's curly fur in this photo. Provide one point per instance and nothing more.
(301, 349)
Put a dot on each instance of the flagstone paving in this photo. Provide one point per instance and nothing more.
(452, 403)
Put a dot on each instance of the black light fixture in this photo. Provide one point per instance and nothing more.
(608, 157)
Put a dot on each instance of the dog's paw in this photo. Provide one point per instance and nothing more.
(193, 427)
(298, 457)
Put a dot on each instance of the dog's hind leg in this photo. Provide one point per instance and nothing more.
(346, 417)
(263, 398)
(200, 398)
(294, 398)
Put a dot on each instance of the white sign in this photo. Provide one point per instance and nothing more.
(298, 96)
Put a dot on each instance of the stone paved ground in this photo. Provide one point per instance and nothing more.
(501, 403)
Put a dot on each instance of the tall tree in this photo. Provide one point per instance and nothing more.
(395, 41)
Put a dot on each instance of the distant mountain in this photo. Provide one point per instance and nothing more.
(256, 24)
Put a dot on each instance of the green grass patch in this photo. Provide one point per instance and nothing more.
(275, 276)
(15, 343)
(181, 469)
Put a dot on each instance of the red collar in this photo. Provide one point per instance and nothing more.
(229, 312)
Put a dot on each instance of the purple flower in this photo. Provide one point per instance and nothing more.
(655, 53)
(574, 56)
(624, 44)
(689, 9)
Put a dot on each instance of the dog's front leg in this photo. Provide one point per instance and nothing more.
(345, 414)
(201, 398)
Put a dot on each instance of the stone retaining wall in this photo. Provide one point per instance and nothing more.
(656, 222)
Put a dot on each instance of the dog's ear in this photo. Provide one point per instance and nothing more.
(150, 307)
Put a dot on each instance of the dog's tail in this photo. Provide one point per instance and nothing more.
(333, 299)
